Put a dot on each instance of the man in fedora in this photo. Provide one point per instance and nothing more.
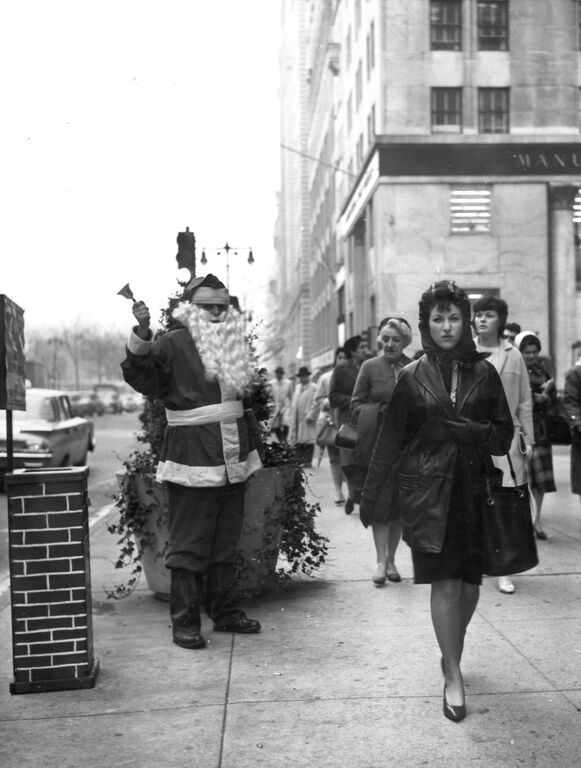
(303, 417)
(282, 392)
(200, 370)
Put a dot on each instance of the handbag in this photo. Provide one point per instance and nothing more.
(346, 436)
(326, 435)
(507, 529)
(558, 429)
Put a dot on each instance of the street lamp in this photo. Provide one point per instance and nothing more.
(227, 248)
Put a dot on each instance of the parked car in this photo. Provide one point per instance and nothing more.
(108, 394)
(130, 399)
(86, 403)
(47, 434)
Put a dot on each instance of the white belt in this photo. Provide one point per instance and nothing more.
(206, 414)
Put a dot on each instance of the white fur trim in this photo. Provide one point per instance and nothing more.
(208, 477)
(138, 346)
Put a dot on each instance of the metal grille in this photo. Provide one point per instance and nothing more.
(577, 208)
(470, 209)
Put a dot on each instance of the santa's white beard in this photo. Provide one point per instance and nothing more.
(222, 346)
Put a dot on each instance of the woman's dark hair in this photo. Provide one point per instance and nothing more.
(513, 328)
(338, 351)
(351, 345)
(442, 294)
(496, 305)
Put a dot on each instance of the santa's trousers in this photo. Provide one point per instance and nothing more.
(204, 529)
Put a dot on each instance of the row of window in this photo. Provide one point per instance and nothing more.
(447, 110)
(491, 25)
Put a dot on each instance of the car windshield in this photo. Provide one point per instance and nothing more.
(37, 407)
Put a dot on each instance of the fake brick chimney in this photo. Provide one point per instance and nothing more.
(50, 580)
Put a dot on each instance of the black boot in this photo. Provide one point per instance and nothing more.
(222, 602)
(184, 608)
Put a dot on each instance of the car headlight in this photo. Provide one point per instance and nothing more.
(36, 444)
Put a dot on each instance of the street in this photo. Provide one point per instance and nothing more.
(115, 436)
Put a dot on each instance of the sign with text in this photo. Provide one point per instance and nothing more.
(534, 159)
(12, 376)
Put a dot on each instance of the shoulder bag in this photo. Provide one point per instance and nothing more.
(507, 529)
(326, 434)
(346, 437)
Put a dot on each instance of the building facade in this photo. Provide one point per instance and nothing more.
(443, 142)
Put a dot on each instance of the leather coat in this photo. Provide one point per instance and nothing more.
(416, 452)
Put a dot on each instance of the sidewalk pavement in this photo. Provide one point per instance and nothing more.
(342, 674)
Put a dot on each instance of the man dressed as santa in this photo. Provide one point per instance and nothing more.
(200, 371)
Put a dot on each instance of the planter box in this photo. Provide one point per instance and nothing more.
(257, 553)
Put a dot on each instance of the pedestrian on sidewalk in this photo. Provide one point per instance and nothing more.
(572, 403)
(448, 413)
(324, 417)
(490, 314)
(282, 395)
(373, 390)
(303, 418)
(341, 388)
(200, 371)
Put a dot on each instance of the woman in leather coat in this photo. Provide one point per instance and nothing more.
(447, 415)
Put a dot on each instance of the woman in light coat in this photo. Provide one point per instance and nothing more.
(303, 417)
(490, 315)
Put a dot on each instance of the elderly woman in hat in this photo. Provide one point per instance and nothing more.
(303, 417)
(200, 370)
(373, 390)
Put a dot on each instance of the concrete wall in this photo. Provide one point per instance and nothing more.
(415, 247)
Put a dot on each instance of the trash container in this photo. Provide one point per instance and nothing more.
(50, 580)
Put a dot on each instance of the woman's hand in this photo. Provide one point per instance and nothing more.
(468, 431)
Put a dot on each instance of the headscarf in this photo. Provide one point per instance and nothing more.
(447, 292)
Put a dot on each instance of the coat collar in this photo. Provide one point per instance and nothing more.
(428, 374)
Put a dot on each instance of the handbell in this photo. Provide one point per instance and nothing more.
(126, 292)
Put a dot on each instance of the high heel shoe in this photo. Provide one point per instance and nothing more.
(540, 534)
(455, 714)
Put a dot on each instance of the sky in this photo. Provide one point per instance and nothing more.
(124, 122)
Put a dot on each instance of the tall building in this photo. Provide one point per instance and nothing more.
(440, 139)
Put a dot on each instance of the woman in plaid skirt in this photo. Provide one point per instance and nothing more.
(541, 477)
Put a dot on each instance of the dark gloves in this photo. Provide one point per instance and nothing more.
(468, 431)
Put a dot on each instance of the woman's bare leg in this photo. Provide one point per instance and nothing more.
(449, 617)
(538, 497)
(393, 539)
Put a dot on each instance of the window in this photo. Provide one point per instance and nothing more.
(446, 110)
(370, 50)
(349, 113)
(371, 126)
(492, 25)
(446, 25)
(470, 209)
(358, 85)
(493, 110)
(348, 49)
